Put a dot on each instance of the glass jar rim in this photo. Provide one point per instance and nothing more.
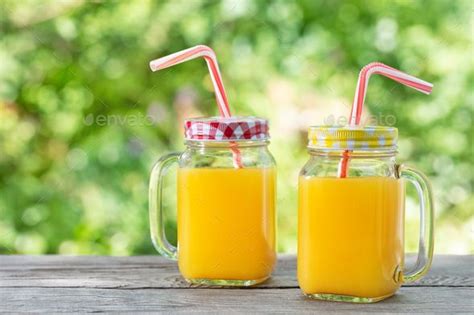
(352, 154)
(241, 143)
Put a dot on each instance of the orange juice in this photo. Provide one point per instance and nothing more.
(350, 238)
(226, 223)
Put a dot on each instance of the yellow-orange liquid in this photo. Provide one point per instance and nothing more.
(350, 239)
(226, 223)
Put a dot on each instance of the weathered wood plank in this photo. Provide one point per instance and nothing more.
(157, 272)
(45, 300)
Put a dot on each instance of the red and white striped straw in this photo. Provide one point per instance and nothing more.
(195, 52)
(221, 96)
(389, 72)
(361, 90)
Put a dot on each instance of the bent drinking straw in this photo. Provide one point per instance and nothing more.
(361, 90)
(221, 97)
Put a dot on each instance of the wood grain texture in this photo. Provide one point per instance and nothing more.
(151, 283)
(157, 272)
(439, 300)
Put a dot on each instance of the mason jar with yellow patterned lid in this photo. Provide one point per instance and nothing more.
(351, 215)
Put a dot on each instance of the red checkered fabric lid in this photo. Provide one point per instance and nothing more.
(226, 129)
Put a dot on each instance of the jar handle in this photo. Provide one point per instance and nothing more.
(155, 196)
(426, 240)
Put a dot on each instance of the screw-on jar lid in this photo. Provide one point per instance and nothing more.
(226, 129)
(364, 138)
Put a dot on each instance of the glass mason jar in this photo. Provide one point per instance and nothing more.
(351, 216)
(226, 202)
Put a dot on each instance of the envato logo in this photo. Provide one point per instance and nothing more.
(121, 120)
(372, 120)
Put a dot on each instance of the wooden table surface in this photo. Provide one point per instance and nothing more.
(150, 283)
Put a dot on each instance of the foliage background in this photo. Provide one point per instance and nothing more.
(82, 119)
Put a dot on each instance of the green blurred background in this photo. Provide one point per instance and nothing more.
(82, 118)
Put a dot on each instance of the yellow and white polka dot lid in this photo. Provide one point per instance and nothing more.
(363, 138)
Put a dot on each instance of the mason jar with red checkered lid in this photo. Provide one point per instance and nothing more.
(226, 202)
